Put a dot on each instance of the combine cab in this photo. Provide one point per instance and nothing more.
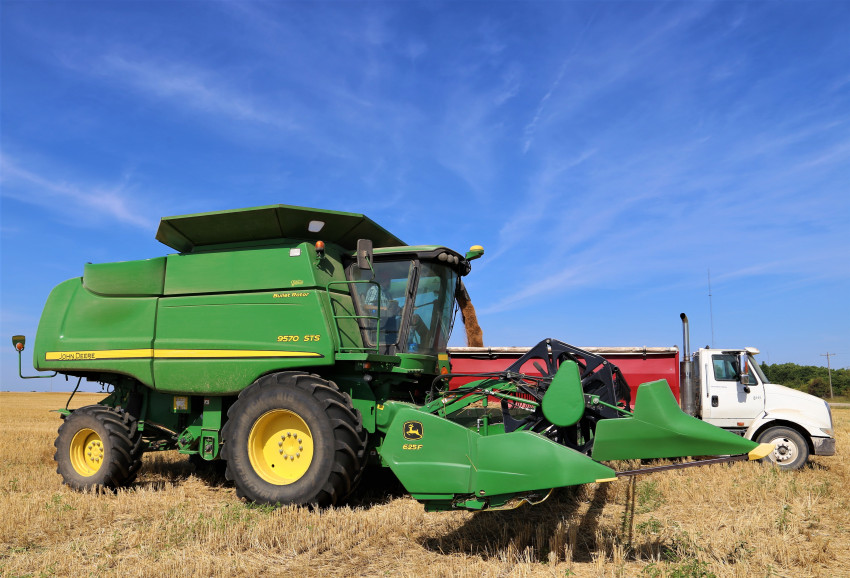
(295, 346)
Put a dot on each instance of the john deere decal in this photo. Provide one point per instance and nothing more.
(413, 430)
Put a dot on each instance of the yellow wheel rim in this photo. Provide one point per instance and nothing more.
(87, 452)
(280, 447)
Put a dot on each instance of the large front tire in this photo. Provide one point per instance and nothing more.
(293, 438)
(791, 450)
(98, 447)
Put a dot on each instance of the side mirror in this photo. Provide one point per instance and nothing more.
(364, 254)
(744, 368)
(19, 341)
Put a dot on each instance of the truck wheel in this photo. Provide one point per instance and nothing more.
(791, 451)
(98, 446)
(293, 438)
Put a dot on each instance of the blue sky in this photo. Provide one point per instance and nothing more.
(607, 155)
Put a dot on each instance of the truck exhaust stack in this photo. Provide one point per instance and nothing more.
(688, 393)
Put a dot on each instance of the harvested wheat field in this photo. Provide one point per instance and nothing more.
(742, 519)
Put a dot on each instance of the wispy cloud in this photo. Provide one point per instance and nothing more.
(544, 198)
(473, 128)
(189, 87)
(70, 200)
(605, 154)
(329, 95)
(531, 127)
(568, 277)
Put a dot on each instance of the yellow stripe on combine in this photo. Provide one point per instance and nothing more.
(227, 353)
(171, 354)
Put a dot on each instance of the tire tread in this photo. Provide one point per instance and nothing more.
(124, 442)
(348, 444)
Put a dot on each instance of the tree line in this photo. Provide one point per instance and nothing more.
(812, 379)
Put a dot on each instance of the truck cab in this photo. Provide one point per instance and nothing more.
(736, 395)
(729, 402)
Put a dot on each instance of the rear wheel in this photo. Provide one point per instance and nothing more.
(293, 438)
(791, 451)
(98, 446)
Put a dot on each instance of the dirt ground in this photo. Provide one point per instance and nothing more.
(743, 519)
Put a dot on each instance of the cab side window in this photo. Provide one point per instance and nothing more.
(724, 367)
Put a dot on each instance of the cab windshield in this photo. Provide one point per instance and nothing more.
(407, 305)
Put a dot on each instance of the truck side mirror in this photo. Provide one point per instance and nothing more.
(744, 369)
(364, 254)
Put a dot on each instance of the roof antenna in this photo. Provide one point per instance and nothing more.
(710, 308)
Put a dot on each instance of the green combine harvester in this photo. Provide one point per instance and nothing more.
(296, 346)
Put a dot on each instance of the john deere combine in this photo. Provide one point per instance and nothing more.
(300, 345)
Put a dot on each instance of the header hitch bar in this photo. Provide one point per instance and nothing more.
(761, 451)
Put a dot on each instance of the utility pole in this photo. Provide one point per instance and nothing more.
(828, 370)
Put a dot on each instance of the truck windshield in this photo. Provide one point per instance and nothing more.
(754, 366)
(431, 324)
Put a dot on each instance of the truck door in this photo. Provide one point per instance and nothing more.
(729, 403)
